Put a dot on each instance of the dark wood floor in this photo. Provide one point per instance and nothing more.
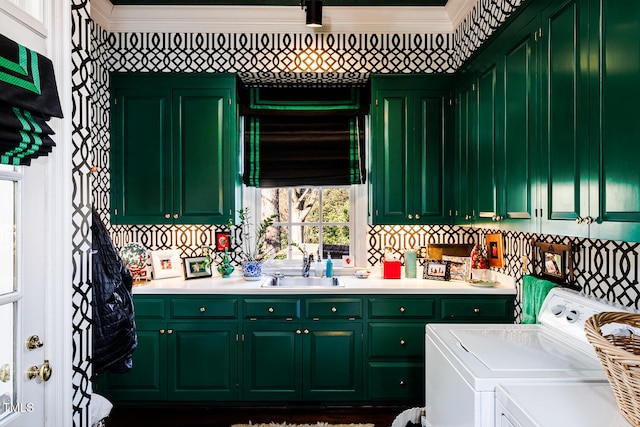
(198, 416)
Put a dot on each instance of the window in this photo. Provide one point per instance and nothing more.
(317, 219)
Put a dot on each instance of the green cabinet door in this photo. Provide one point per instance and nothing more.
(141, 171)
(332, 354)
(202, 362)
(174, 154)
(147, 380)
(411, 128)
(464, 165)
(615, 169)
(564, 118)
(517, 132)
(272, 362)
(203, 155)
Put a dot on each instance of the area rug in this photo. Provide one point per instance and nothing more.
(320, 424)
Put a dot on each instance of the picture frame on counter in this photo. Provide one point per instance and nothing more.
(495, 249)
(459, 267)
(222, 241)
(166, 264)
(196, 267)
(436, 270)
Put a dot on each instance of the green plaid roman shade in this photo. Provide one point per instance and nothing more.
(308, 150)
(28, 99)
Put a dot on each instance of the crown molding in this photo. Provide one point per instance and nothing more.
(276, 19)
(458, 11)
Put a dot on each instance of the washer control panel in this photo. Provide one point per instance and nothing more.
(566, 311)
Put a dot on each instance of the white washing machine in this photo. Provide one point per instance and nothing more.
(559, 404)
(465, 362)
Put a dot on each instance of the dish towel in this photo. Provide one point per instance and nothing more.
(534, 291)
(411, 415)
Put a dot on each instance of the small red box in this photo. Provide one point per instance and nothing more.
(391, 269)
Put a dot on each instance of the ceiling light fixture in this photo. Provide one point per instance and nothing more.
(314, 12)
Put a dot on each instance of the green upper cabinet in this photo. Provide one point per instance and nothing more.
(614, 131)
(564, 115)
(412, 133)
(590, 182)
(496, 107)
(173, 148)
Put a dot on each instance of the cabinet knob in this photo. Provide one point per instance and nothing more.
(410, 216)
(417, 216)
(579, 220)
(402, 342)
(402, 383)
(499, 218)
(334, 309)
(589, 220)
(270, 310)
(467, 217)
(298, 331)
(202, 309)
(175, 216)
(161, 331)
(402, 309)
(476, 310)
(306, 331)
(169, 331)
(167, 216)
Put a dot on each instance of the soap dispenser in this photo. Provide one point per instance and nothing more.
(329, 267)
(319, 266)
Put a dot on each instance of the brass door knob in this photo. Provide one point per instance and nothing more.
(476, 310)
(202, 309)
(306, 331)
(298, 331)
(167, 216)
(334, 309)
(33, 342)
(417, 216)
(175, 216)
(410, 216)
(43, 372)
(161, 331)
(270, 310)
(402, 383)
(5, 372)
(402, 309)
(402, 342)
(169, 331)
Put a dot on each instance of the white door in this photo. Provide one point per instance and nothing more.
(35, 247)
(24, 369)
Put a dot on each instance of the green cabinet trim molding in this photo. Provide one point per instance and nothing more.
(288, 349)
(173, 148)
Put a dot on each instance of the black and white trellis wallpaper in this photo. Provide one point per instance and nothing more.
(605, 269)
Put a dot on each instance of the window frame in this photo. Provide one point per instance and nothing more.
(357, 220)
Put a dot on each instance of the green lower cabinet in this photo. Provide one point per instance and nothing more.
(396, 381)
(202, 362)
(294, 361)
(147, 380)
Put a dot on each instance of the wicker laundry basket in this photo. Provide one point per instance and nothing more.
(620, 358)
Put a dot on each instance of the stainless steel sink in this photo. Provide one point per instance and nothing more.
(303, 282)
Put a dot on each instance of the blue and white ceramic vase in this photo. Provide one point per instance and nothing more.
(252, 270)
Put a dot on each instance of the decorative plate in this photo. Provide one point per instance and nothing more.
(134, 255)
(483, 283)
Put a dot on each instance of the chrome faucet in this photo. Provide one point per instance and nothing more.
(306, 263)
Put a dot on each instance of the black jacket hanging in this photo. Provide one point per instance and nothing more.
(114, 328)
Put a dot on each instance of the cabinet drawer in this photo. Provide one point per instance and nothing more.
(396, 340)
(149, 308)
(334, 308)
(272, 308)
(208, 308)
(396, 381)
(402, 307)
(477, 309)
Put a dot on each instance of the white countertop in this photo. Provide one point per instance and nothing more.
(374, 284)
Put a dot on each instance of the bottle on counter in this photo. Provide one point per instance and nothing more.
(319, 266)
(329, 266)
(410, 263)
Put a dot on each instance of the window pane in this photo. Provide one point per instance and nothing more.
(336, 205)
(275, 202)
(304, 205)
(7, 359)
(7, 237)
(335, 241)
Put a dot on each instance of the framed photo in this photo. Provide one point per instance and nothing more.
(436, 270)
(222, 241)
(196, 267)
(166, 264)
(555, 260)
(459, 267)
(495, 250)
